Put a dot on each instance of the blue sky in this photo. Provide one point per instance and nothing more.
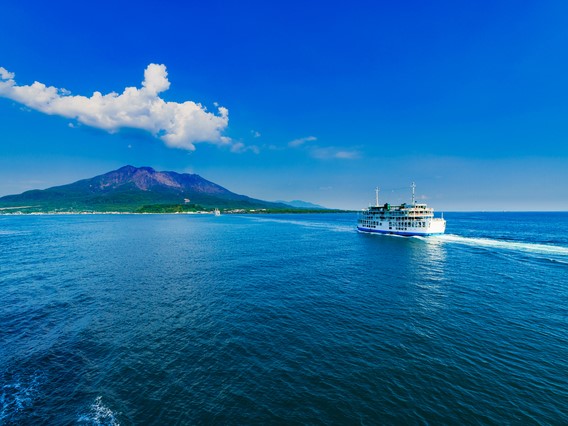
(325, 100)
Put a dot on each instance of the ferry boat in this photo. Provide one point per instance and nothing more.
(405, 219)
(217, 212)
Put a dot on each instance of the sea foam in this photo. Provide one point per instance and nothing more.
(506, 245)
(18, 394)
(99, 414)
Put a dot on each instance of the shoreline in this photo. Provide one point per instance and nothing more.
(174, 213)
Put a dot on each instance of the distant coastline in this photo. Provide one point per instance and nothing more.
(14, 212)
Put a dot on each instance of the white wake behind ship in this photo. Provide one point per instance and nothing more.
(405, 219)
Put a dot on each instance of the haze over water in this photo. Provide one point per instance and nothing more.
(290, 319)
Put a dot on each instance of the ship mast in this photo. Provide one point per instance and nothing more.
(413, 186)
(377, 196)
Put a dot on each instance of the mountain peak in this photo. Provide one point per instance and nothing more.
(302, 204)
(144, 178)
(132, 169)
(130, 188)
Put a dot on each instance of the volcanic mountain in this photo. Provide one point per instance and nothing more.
(130, 188)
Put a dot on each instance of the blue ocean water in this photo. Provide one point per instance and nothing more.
(282, 319)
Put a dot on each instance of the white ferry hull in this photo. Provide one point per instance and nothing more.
(408, 226)
(408, 233)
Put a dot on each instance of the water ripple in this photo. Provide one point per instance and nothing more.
(192, 320)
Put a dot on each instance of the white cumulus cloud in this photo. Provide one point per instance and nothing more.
(179, 125)
(5, 75)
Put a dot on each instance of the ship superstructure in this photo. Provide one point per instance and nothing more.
(405, 219)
